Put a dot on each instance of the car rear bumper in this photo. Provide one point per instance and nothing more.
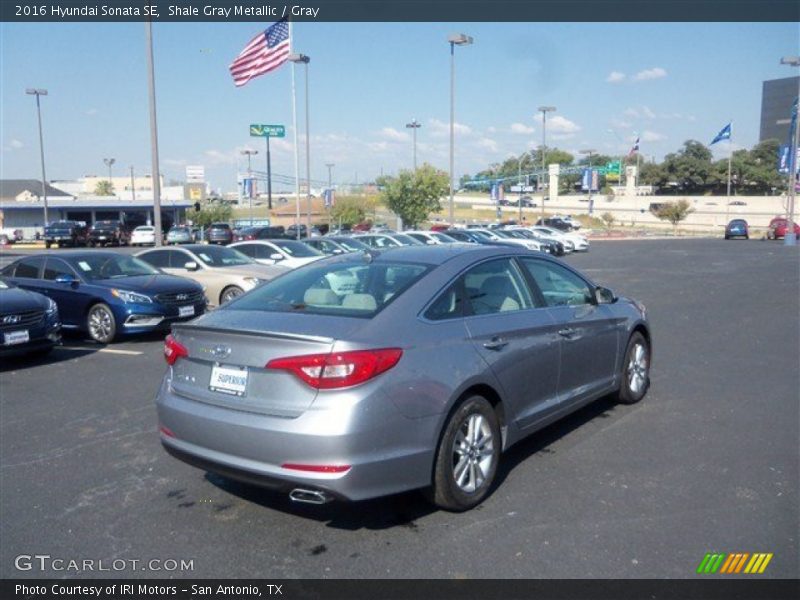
(386, 452)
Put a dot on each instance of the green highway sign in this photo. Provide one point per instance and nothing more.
(257, 130)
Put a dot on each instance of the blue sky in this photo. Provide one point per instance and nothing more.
(669, 82)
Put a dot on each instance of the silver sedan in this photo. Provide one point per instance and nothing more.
(419, 374)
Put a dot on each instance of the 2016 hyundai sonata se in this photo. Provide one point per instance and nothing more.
(418, 375)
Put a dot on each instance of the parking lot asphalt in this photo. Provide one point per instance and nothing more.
(707, 462)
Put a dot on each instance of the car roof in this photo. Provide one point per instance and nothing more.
(72, 254)
(440, 254)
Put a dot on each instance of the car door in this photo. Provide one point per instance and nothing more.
(589, 332)
(72, 298)
(515, 334)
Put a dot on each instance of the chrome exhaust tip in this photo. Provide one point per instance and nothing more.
(310, 496)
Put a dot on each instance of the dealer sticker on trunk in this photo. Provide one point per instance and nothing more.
(228, 380)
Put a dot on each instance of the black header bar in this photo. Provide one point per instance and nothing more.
(400, 10)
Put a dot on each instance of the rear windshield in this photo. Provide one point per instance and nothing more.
(354, 288)
(296, 249)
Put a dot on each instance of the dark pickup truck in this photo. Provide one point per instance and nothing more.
(109, 233)
(66, 233)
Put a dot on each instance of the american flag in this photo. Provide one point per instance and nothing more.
(635, 148)
(265, 52)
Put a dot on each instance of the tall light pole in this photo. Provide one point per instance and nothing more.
(249, 154)
(590, 152)
(413, 126)
(455, 39)
(330, 191)
(519, 183)
(790, 238)
(40, 92)
(151, 86)
(109, 162)
(303, 59)
(544, 110)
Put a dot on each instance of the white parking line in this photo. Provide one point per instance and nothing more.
(106, 350)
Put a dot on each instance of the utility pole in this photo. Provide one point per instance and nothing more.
(151, 85)
(456, 39)
(414, 125)
(250, 154)
(133, 186)
(40, 92)
(544, 110)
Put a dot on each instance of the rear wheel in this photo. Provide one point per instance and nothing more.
(635, 370)
(467, 456)
(100, 324)
(229, 293)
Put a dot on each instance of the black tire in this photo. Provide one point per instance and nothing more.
(101, 324)
(635, 376)
(229, 293)
(446, 492)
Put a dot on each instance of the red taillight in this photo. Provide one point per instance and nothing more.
(338, 369)
(166, 431)
(173, 350)
(316, 468)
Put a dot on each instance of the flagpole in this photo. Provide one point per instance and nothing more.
(296, 146)
(730, 157)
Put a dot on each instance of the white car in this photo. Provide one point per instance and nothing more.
(144, 235)
(546, 237)
(431, 238)
(579, 243)
(287, 253)
(574, 223)
(499, 235)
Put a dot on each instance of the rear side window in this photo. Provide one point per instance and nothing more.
(496, 286)
(29, 268)
(158, 259)
(449, 305)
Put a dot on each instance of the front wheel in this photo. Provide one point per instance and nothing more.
(100, 323)
(635, 370)
(229, 293)
(467, 456)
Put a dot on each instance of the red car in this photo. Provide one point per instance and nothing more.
(777, 228)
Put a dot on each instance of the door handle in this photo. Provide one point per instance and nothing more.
(495, 343)
(567, 332)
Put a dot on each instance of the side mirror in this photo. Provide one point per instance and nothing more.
(604, 296)
(68, 279)
(276, 256)
(191, 266)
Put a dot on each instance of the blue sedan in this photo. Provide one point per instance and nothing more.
(106, 294)
(29, 322)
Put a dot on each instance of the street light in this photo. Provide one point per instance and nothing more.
(790, 239)
(544, 110)
(330, 191)
(303, 59)
(109, 162)
(40, 92)
(455, 39)
(590, 152)
(414, 126)
(519, 183)
(249, 154)
(151, 94)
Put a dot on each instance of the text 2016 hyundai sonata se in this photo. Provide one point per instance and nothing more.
(418, 373)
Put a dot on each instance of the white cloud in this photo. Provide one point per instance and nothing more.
(647, 113)
(176, 162)
(440, 128)
(652, 136)
(91, 112)
(521, 128)
(487, 144)
(16, 144)
(615, 77)
(392, 134)
(557, 124)
(647, 74)
(620, 124)
(491, 129)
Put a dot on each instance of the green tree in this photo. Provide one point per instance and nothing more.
(352, 210)
(608, 219)
(210, 212)
(674, 212)
(413, 195)
(691, 168)
(104, 188)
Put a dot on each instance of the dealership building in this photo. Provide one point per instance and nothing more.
(21, 205)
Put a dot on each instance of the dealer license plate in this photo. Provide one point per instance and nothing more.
(185, 311)
(228, 380)
(16, 337)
